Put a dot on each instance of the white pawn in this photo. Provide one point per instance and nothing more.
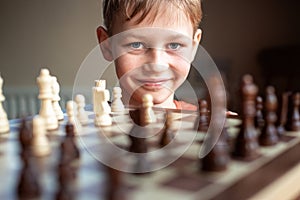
(40, 143)
(44, 82)
(81, 114)
(56, 98)
(4, 124)
(71, 110)
(103, 118)
(148, 115)
(117, 104)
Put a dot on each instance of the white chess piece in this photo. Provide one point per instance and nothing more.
(81, 114)
(103, 118)
(56, 98)
(40, 143)
(148, 115)
(71, 110)
(4, 124)
(44, 82)
(99, 85)
(117, 104)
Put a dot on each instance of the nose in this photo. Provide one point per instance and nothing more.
(157, 60)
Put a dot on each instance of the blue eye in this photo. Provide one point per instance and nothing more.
(174, 46)
(136, 45)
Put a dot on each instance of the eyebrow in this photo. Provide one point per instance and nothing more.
(143, 37)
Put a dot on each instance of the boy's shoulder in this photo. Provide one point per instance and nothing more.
(185, 106)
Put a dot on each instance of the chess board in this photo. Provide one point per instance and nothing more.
(179, 177)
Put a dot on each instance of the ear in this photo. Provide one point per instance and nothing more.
(104, 43)
(196, 41)
(197, 36)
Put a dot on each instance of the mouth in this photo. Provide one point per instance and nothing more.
(153, 83)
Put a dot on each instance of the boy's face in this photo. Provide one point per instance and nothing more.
(151, 57)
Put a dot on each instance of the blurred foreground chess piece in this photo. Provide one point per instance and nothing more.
(40, 144)
(4, 124)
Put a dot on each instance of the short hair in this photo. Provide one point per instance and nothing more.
(130, 8)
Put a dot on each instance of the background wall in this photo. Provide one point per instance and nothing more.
(58, 34)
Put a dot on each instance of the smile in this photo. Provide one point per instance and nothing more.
(152, 83)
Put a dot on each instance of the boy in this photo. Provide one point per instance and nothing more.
(152, 44)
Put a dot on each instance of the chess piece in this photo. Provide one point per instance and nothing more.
(4, 124)
(217, 159)
(147, 115)
(293, 116)
(71, 110)
(259, 119)
(246, 144)
(283, 113)
(69, 150)
(28, 186)
(202, 121)
(117, 104)
(103, 117)
(25, 139)
(114, 189)
(99, 85)
(81, 114)
(56, 98)
(269, 136)
(44, 82)
(40, 144)
(167, 132)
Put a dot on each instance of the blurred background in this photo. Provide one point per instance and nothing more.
(259, 37)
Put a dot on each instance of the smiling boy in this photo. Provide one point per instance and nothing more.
(152, 44)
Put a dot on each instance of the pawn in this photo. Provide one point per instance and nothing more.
(259, 119)
(117, 104)
(293, 123)
(28, 187)
(40, 143)
(147, 115)
(269, 135)
(4, 124)
(202, 121)
(217, 159)
(71, 112)
(283, 113)
(167, 133)
(25, 135)
(69, 149)
(81, 114)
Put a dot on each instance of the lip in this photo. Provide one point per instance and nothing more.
(152, 83)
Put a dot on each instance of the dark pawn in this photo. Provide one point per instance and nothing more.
(269, 135)
(69, 151)
(217, 159)
(138, 145)
(246, 145)
(259, 118)
(202, 119)
(28, 187)
(293, 123)
(25, 135)
(283, 114)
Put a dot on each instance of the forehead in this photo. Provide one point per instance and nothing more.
(170, 18)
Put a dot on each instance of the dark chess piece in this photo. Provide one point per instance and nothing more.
(28, 186)
(25, 135)
(283, 113)
(293, 120)
(246, 146)
(202, 121)
(114, 189)
(259, 118)
(269, 135)
(69, 151)
(138, 144)
(167, 133)
(217, 159)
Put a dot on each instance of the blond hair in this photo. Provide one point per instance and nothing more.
(130, 8)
